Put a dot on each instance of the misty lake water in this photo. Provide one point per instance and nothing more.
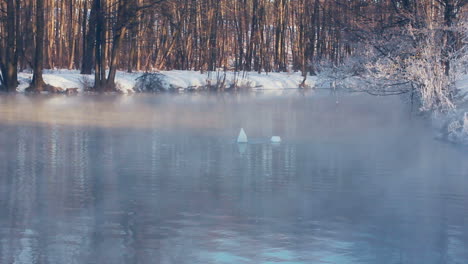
(160, 179)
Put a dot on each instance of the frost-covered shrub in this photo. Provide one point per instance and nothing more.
(151, 82)
(86, 83)
(454, 126)
(216, 81)
(418, 58)
(456, 129)
(240, 84)
(427, 73)
(345, 76)
(355, 65)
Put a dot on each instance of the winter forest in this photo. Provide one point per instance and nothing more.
(235, 35)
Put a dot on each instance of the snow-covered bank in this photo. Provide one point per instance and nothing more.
(176, 79)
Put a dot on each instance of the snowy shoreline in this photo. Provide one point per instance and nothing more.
(179, 80)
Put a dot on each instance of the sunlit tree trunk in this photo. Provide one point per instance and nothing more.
(9, 62)
(89, 36)
(37, 83)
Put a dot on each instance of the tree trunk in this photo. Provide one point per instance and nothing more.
(449, 17)
(99, 65)
(133, 50)
(19, 36)
(124, 16)
(116, 44)
(90, 39)
(38, 84)
(9, 61)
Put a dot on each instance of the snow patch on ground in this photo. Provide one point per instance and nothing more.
(176, 79)
(267, 81)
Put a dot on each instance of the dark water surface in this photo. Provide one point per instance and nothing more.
(160, 179)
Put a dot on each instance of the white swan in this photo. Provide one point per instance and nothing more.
(242, 138)
(275, 139)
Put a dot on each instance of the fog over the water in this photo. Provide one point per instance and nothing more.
(160, 179)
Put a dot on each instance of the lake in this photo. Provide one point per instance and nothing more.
(161, 179)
